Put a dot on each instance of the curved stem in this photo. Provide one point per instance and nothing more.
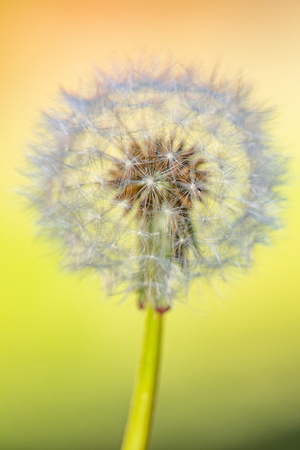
(140, 416)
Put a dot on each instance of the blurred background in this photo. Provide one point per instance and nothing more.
(231, 361)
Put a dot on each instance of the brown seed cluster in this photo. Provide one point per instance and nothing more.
(156, 173)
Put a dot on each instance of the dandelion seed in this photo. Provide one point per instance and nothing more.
(171, 166)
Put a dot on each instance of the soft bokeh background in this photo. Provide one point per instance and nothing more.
(231, 369)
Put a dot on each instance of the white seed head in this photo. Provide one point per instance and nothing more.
(156, 177)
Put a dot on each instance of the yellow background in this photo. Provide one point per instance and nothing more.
(231, 367)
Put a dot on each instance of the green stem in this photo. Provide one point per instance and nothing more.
(140, 416)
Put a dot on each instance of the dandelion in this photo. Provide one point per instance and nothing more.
(153, 177)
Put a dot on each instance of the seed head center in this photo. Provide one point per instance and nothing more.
(154, 180)
(150, 181)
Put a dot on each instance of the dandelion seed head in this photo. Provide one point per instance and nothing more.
(156, 176)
